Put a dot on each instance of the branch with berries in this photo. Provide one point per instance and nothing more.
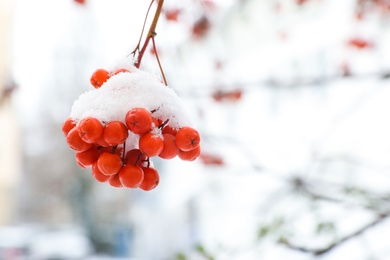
(129, 117)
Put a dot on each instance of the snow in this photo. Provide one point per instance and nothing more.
(124, 91)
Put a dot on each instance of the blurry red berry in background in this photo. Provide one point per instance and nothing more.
(80, 1)
(227, 96)
(172, 14)
(359, 43)
(211, 159)
(201, 27)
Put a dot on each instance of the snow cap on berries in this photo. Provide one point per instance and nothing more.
(125, 91)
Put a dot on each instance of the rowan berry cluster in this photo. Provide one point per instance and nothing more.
(119, 152)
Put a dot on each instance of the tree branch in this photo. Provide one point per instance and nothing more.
(274, 83)
(321, 251)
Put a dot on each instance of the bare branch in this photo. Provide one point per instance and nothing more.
(273, 83)
(321, 251)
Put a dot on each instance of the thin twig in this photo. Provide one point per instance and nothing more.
(321, 251)
(151, 33)
(158, 61)
(203, 88)
(143, 29)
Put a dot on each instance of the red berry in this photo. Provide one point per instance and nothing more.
(359, 43)
(151, 179)
(211, 159)
(170, 149)
(99, 77)
(115, 133)
(68, 125)
(157, 122)
(112, 149)
(139, 120)
(115, 72)
(187, 138)
(75, 142)
(169, 130)
(80, 1)
(101, 142)
(135, 157)
(189, 155)
(227, 96)
(90, 129)
(98, 175)
(87, 158)
(114, 181)
(131, 176)
(172, 14)
(109, 163)
(151, 144)
(201, 27)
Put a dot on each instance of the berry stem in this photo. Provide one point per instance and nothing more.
(142, 31)
(163, 124)
(138, 158)
(159, 63)
(148, 162)
(151, 33)
(124, 152)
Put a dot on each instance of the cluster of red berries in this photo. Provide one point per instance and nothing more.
(102, 145)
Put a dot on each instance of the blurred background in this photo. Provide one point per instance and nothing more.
(291, 98)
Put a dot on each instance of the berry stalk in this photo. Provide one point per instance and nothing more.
(151, 33)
